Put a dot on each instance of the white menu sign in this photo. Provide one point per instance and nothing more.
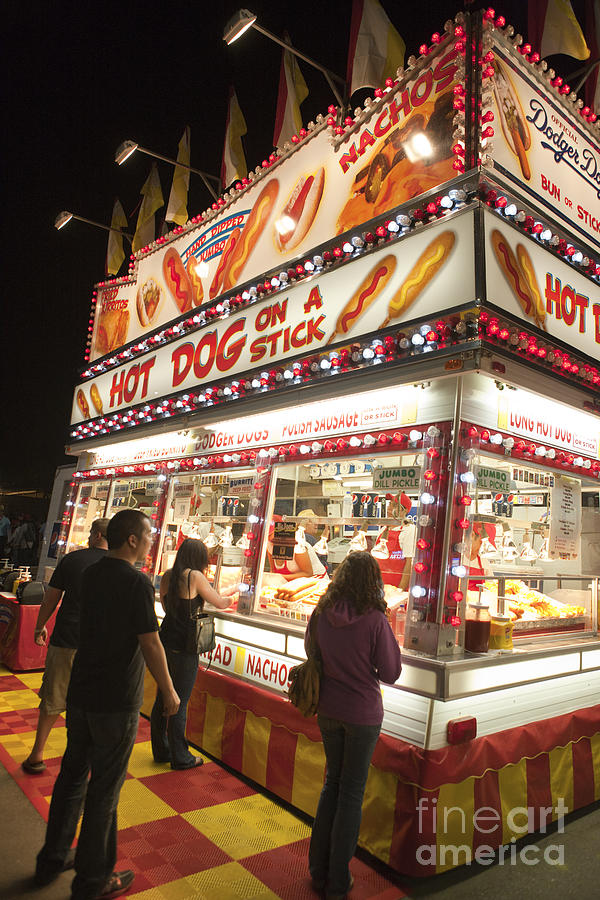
(565, 518)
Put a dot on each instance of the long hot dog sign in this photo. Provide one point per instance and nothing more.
(429, 271)
(402, 149)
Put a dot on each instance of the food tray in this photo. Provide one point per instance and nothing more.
(553, 623)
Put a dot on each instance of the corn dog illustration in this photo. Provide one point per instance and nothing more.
(251, 232)
(512, 272)
(512, 118)
(426, 267)
(224, 262)
(539, 307)
(370, 288)
(195, 280)
(96, 398)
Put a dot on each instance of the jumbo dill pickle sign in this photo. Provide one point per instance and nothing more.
(493, 479)
(396, 479)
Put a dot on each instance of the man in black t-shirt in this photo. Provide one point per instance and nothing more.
(118, 631)
(65, 583)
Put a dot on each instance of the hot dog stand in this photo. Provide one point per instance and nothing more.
(393, 328)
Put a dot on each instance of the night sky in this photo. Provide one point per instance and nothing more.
(78, 79)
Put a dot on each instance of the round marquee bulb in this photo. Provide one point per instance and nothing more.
(459, 571)
(467, 477)
(427, 498)
(418, 591)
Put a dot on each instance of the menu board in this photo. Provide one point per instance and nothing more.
(284, 540)
(565, 519)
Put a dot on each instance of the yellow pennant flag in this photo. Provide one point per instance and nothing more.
(292, 92)
(153, 200)
(233, 164)
(562, 32)
(177, 206)
(376, 49)
(115, 253)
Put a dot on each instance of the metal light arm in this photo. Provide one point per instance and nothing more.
(71, 215)
(329, 75)
(203, 175)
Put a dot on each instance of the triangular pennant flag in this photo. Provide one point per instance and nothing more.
(114, 252)
(553, 28)
(152, 200)
(292, 92)
(177, 207)
(233, 164)
(376, 49)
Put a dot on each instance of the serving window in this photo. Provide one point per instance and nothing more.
(534, 549)
(321, 511)
(90, 504)
(211, 507)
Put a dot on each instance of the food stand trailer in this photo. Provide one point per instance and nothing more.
(391, 329)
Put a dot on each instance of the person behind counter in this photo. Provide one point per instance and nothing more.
(479, 569)
(183, 588)
(401, 544)
(305, 561)
(359, 650)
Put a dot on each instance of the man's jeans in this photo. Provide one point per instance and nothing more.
(168, 734)
(100, 743)
(348, 750)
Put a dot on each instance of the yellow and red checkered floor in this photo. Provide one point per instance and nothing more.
(203, 833)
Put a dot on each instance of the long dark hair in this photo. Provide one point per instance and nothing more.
(191, 555)
(357, 580)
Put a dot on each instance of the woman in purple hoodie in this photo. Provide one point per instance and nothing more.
(359, 650)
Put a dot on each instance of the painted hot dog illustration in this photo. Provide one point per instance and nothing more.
(299, 213)
(539, 307)
(370, 288)
(177, 280)
(512, 117)
(195, 280)
(513, 273)
(82, 404)
(426, 267)
(224, 262)
(255, 223)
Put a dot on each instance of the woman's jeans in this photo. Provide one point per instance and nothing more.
(348, 750)
(168, 734)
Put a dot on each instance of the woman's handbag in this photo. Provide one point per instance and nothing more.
(200, 636)
(305, 680)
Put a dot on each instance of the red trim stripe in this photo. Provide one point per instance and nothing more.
(539, 791)
(281, 762)
(583, 773)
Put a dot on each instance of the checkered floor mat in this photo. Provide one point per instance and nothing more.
(201, 834)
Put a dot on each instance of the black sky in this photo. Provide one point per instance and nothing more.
(77, 79)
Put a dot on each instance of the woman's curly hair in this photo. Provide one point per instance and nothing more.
(357, 580)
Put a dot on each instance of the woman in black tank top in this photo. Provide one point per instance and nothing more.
(183, 589)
